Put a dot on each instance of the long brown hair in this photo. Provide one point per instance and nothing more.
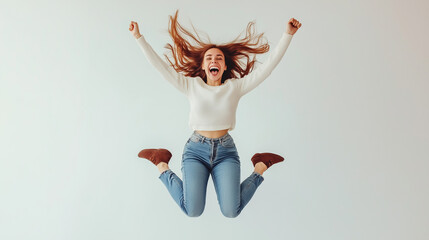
(188, 58)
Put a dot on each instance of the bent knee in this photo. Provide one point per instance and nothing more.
(194, 212)
(229, 213)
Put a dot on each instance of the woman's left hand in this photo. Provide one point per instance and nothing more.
(292, 26)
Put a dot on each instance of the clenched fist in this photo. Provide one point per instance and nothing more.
(134, 28)
(293, 26)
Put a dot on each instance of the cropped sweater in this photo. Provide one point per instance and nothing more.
(214, 107)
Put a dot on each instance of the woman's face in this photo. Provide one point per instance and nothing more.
(214, 64)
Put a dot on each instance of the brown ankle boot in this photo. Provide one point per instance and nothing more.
(156, 155)
(267, 158)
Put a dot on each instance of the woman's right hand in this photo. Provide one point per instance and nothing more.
(134, 28)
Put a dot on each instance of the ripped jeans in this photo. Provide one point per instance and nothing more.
(201, 157)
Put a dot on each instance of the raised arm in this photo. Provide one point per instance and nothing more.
(178, 80)
(259, 74)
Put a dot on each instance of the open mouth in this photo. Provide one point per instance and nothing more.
(214, 71)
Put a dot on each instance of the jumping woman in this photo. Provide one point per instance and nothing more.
(213, 77)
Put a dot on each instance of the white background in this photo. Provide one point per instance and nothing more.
(347, 106)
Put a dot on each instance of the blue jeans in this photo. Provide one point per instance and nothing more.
(201, 157)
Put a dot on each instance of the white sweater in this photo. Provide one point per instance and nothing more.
(214, 107)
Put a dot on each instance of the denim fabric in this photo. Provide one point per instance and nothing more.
(219, 158)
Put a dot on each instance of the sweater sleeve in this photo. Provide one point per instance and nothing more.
(259, 74)
(178, 80)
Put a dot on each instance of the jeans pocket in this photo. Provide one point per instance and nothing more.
(228, 142)
(194, 139)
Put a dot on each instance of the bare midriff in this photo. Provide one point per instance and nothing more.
(213, 134)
